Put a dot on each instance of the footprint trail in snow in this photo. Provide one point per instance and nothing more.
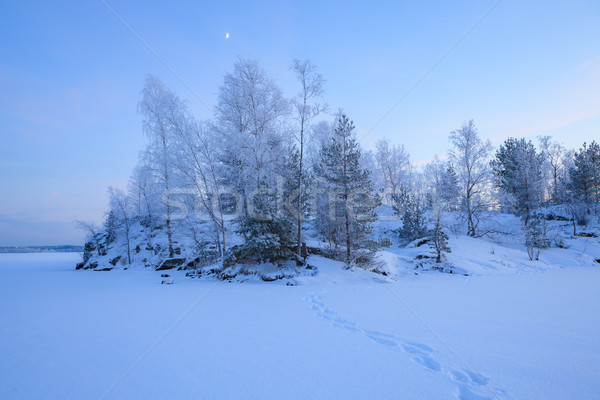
(470, 385)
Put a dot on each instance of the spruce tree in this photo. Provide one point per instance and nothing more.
(450, 191)
(110, 227)
(411, 209)
(438, 241)
(536, 237)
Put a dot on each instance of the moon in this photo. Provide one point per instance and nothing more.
(226, 35)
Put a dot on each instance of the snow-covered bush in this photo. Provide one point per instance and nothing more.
(536, 236)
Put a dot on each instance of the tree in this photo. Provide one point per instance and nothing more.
(353, 201)
(411, 208)
(93, 231)
(142, 188)
(122, 210)
(573, 203)
(198, 163)
(553, 154)
(438, 241)
(110, 227)
(585, 174)
(439, 180)
(249, 122)
(164, 115)
(269, 237)
(469, 158)
(394, 163)
(291, 201)
(449, 188)
(535, 237)
(517, 167)
(306, 108)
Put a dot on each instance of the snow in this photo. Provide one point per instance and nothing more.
(521, 331)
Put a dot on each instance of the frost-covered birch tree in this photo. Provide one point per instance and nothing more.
(553, 154)
(121, 206)
(394, 163)
(160, 109)
(198, 163)
(469, 156)
(249, 120)
(306, 108)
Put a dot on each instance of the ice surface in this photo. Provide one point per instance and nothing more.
(69, 334)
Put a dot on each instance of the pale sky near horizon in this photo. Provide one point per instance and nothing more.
(71, 75)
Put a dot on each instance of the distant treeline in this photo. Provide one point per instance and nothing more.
(41, 249)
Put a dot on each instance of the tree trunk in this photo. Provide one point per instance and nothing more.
(128, 247)
(222, 225)
(299, 209)
(346, 213)
(169, 233)
(470, 224)
(348, 242)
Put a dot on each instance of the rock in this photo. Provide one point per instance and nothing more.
(92, 265)
(170, 264)
(422, 242)
(114, 261)
(268, 278)
(88, 250)
(314, 250)
(194, 263)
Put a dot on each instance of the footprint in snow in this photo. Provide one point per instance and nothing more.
(471, 385)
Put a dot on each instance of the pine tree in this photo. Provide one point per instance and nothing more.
(585, 174)
(352, 209)
(517, 167)
(294, 201)
(268, 235)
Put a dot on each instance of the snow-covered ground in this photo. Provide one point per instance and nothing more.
(504, 331)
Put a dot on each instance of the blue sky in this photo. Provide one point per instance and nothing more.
(71, 75)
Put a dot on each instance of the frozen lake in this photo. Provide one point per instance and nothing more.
(70, 334)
